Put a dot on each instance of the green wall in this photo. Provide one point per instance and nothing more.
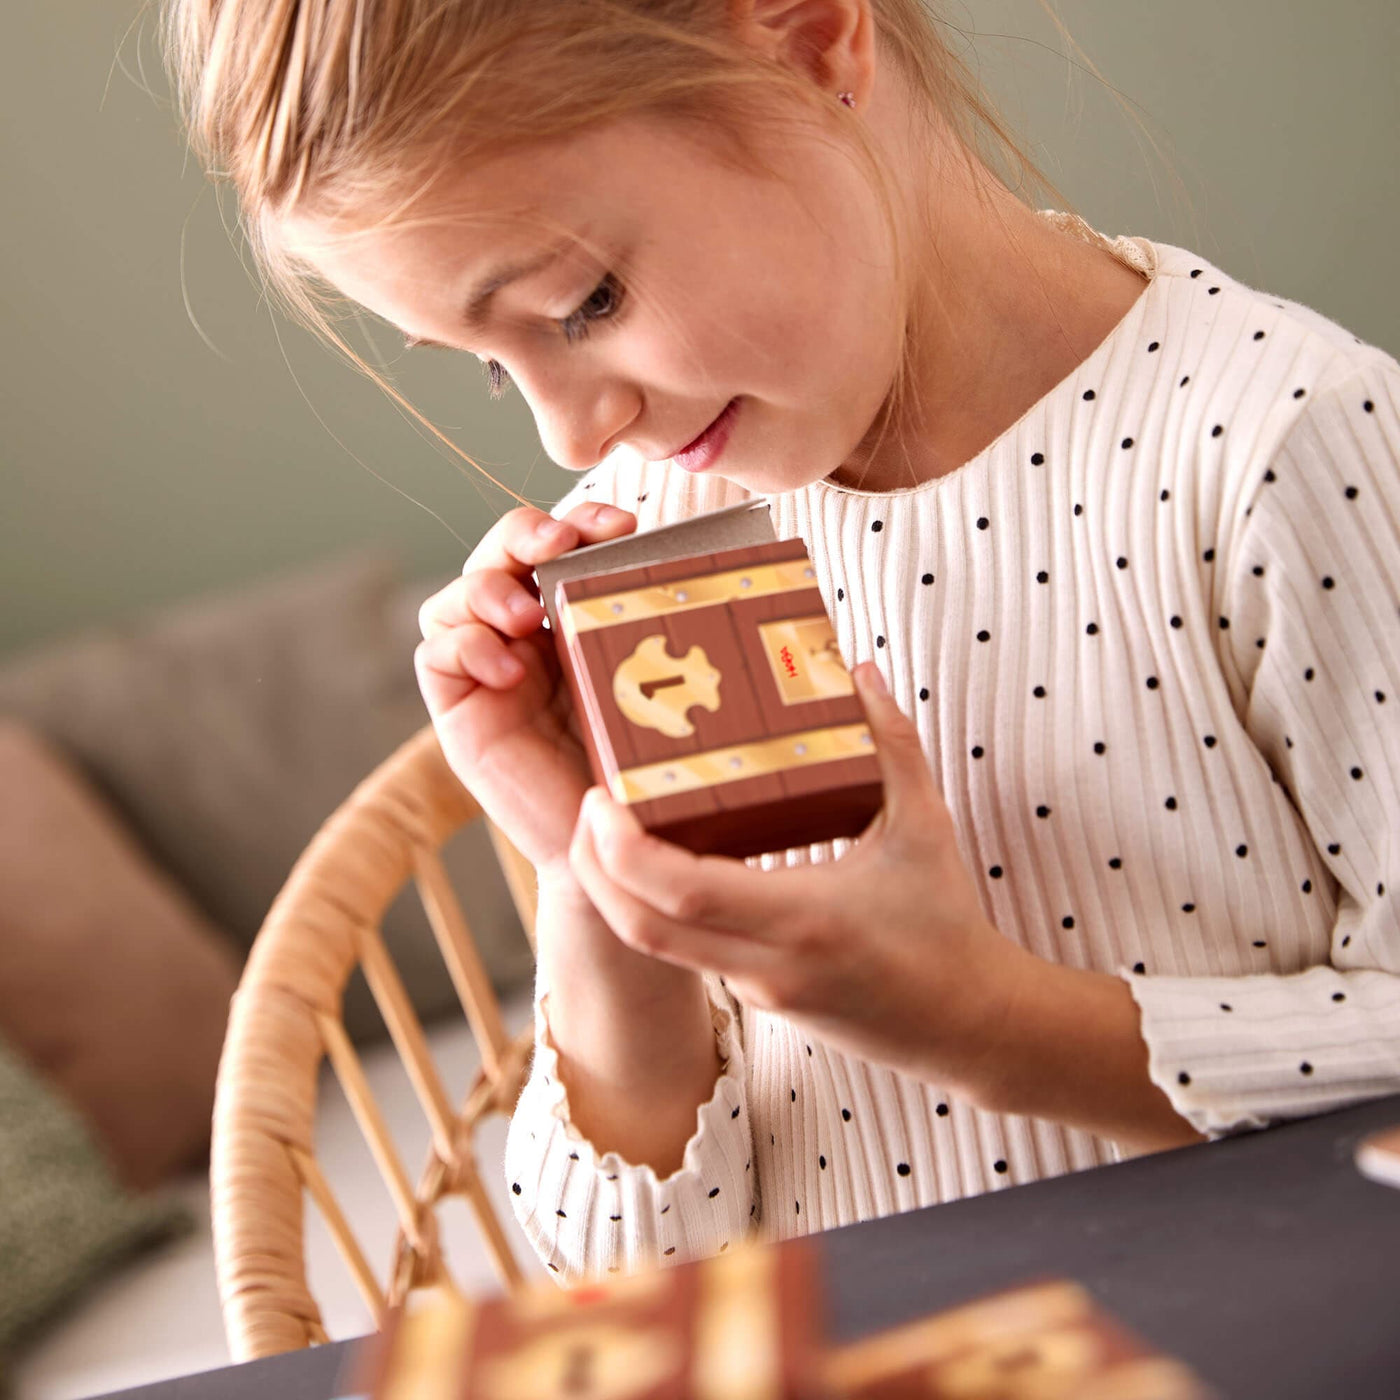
(141, 465)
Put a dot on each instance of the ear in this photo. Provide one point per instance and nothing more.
(832, 42)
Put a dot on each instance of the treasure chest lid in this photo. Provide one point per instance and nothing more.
(733, 527)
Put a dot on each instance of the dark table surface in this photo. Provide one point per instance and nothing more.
(1267, 1262)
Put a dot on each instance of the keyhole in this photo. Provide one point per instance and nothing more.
(649, 688)
(1019, 1360)
(578, 1375)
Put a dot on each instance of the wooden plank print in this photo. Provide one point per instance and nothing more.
(682, 687)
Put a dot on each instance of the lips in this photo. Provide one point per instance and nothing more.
(702, 451)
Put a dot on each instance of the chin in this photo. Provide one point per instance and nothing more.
(772, 483)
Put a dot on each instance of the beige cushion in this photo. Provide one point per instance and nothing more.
(227, 730)
(112, 985)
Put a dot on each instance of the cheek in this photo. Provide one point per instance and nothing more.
(825, 315)
(788, 337)
(804, 323)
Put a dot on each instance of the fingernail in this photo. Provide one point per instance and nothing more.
(520, 604)
(875, 679)
(508, 668)
(602, 814)
(606, 514)
(551, 529)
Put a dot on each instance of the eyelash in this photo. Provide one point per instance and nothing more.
(576, 326)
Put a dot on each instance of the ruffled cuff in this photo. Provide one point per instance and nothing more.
(587, 1213)
(1239, 1053)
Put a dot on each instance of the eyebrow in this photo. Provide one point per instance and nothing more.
(479, 303)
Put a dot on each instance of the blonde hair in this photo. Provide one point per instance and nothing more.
(347, 107)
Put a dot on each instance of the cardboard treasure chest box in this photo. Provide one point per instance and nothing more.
(743, 1325)
(712, 696)
(756, 1323)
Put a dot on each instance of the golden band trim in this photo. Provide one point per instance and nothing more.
(931, 1341)
(690, 772)
(685, 594)
(738, 1328)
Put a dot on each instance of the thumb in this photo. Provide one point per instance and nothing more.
(898, 749)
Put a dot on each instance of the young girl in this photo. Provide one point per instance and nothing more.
(1111, 541)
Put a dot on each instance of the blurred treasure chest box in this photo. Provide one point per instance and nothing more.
(754, 1323)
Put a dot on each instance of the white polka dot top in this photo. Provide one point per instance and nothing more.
(1151, 639)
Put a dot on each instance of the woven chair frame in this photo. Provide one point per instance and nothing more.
(285, 1018)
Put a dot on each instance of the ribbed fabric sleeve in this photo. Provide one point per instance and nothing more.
(1144, 706)
(1315, 572)
(588, 1213)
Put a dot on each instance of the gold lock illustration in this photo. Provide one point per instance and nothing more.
(593, 1361)
(655, 689)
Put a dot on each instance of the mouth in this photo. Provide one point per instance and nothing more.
(704, 451)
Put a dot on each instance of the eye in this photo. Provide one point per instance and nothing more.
(602, 304)
(496, 378)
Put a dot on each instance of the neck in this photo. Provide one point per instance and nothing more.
(1005, 307)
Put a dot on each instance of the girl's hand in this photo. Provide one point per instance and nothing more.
(885, 953)
(492, 683)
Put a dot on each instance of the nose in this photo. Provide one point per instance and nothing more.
(579, 416)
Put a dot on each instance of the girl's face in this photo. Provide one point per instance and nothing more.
(642, 287)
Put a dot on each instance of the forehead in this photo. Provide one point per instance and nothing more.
(632, 183)
(518, 199)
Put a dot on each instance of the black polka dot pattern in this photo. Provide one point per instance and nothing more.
(1122, 615)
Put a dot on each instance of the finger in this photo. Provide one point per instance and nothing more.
(654, 933)
(713, 891)
(904, 766)
(450, 665)
(511, 589)
(527, 536)
(597, 521)
(491, 596)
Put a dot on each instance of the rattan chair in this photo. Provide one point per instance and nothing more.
(285, 1019)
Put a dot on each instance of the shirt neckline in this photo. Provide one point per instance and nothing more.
(1138, 253)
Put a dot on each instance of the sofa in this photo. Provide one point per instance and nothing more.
(157, 782)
